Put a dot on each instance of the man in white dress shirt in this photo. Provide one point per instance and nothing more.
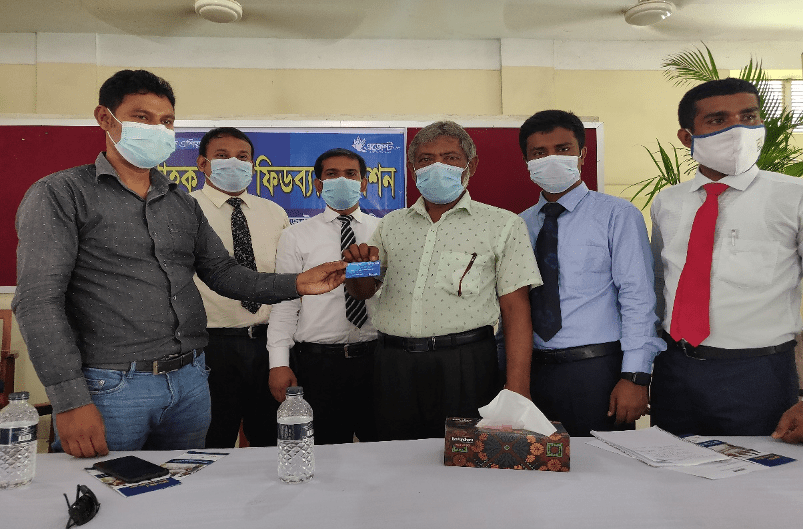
(729, 283)
(249, 227)
(329, 340)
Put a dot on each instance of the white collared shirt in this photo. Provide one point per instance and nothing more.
(320, 318)
(266, 221)
(756, 264)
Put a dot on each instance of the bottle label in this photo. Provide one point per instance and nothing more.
(294, 432)
(12, 436)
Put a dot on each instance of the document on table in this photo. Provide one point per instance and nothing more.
(655, 447)
(190, 462)
(187, 463)
(764, 459)
(741, 460)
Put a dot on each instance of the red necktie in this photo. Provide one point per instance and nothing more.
(690, 319)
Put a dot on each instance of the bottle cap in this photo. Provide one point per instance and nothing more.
(293, 391)
(19, 395)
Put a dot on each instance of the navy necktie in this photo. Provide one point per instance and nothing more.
(355, 308)
(545, 306)
(243, 251)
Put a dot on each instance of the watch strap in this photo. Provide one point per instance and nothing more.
(640, 379)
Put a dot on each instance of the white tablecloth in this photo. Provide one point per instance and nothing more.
(405, 484)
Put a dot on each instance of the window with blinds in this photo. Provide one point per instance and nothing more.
(797, 99)
(791, 94)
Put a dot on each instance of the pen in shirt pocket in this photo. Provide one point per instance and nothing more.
(468, 267)
(734, 238)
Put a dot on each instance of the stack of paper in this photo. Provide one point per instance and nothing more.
(658, 448)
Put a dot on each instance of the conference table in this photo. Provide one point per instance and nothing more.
(405, 484)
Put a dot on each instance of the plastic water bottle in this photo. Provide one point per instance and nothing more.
(294, 433)
(18, 423)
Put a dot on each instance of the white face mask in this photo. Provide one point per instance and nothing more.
(730, 151)
(554, 173)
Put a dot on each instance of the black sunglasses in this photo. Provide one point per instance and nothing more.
(84, 508)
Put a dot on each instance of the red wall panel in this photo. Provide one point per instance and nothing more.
(32, 152)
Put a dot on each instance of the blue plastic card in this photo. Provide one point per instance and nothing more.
(366, 269)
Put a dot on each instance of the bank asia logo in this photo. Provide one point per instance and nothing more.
(188, 143)
(361, 145)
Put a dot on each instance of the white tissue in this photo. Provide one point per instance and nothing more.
(513, 410)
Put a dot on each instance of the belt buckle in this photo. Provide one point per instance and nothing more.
(160, 367)
(251, 331)
(159, 370)
(346, 351)
(688, 349)
(419, 345)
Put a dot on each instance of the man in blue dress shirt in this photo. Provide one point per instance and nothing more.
(594, 318)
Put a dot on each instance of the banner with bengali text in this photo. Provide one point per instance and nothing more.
(284, 159)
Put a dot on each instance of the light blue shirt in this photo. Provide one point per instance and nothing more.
(605, 276)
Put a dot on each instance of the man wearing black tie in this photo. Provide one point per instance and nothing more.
(249, 227)
(329, 340)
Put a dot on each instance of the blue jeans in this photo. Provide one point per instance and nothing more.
(143, 411)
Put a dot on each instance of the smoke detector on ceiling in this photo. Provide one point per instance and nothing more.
(649, 12)
(222, 11)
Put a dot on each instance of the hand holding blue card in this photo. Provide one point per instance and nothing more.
(363, 269)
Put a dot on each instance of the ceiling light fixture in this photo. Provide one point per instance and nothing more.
(649, 12)
(221, 11)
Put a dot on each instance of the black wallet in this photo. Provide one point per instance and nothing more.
(131, 469)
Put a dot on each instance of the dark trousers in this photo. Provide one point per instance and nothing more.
(722, 397)
(238, 385)
(577, 393)
(416, 392)
(340, 392)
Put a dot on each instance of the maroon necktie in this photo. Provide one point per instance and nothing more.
(690, 319)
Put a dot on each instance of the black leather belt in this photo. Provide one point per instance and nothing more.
(447, 341)
(157, 367)
(705, 352)
(573, 354)
(347, 350)
(253, 331)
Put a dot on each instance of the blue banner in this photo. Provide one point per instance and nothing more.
(284, 159)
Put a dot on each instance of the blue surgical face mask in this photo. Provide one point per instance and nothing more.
(440, 183)
(554, 173)
(230, 174)
(341, 193)
(144, 145)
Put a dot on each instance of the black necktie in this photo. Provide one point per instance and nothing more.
(355, 308)
(243, 251)
(545, 307)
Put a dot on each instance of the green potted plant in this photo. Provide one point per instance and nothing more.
(778, 154)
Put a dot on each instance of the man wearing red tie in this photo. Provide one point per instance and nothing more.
(727, 251)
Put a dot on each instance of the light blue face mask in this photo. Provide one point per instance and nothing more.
(230, 174)
(341, 193)
(144, 145)
(440, 183)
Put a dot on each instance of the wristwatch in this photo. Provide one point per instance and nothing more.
(640, 379)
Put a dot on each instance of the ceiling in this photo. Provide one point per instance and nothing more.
(710, 20)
